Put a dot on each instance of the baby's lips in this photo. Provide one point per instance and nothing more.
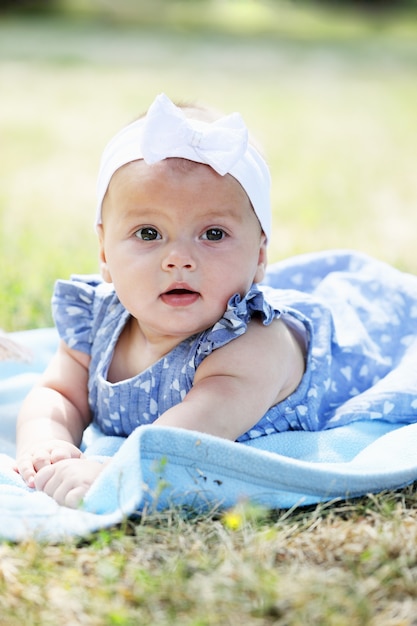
(180, 297)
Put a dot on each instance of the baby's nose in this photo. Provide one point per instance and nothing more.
(179, 257)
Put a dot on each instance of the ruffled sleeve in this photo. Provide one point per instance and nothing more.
(73, 310)
(235, 321)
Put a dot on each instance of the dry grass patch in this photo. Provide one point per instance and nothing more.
(337, 564)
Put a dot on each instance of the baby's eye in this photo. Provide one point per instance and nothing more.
(214, 234)
(147, 233)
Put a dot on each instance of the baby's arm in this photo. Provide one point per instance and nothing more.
(239, 382)
(54, 415)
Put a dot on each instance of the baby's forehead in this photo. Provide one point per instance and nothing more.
(175, 180)
(179, 170)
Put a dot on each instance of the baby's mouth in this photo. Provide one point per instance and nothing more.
(179, 291)
(180, 297)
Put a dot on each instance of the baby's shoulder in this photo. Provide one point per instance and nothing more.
(78, 306)
(85, 292)
(277, 338)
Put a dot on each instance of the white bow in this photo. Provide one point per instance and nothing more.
(167, 132)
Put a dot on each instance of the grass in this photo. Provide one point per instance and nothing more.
(336, 117)
(334, 105)
(335, 565)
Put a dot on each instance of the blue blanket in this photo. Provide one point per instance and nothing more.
(161, 467)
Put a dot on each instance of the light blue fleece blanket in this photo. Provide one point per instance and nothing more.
(160, 467)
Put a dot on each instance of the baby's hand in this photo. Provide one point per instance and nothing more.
(68, 481)
(43, 455)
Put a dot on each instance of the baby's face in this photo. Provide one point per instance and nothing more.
(177, 241)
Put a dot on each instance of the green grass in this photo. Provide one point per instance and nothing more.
(334, 105)
(332, 565)
(336, 118)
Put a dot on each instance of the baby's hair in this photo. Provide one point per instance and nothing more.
(194, 111)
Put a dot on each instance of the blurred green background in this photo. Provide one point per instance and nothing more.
(329, 89)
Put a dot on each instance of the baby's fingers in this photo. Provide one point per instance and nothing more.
(44, 479)
(24, 467)
(41, 458)
(62, 484)
(30, 464)
(68, 481)
(61, 453)
(74, 498)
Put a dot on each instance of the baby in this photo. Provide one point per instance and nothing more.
(176, 333)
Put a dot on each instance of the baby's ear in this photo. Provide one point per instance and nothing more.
(104, 270)
(262, 261)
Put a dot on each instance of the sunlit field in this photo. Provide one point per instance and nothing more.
(335, 115)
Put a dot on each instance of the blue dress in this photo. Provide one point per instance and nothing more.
(358, 317)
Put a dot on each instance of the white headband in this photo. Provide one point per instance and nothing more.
(166, 132)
